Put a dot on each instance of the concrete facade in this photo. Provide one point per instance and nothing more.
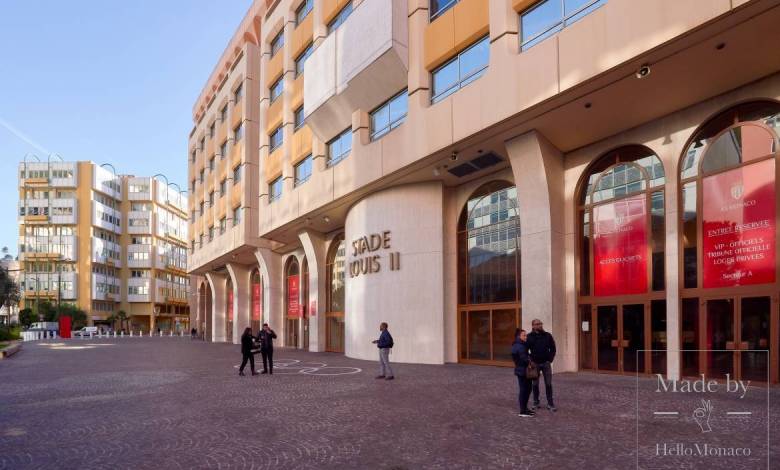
(543, 114)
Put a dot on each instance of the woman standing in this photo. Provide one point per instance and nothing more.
(246, 351)
(520, 357)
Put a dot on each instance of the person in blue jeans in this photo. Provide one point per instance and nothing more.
(521, 358)
(542, 347)
(384, 343)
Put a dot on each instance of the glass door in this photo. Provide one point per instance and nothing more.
(607, 337)
(720, 338)
(334, 332)
(621, 339)
(487, 334)
(632, 341)
(754, 332)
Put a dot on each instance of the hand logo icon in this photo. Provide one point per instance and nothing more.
(702, 415)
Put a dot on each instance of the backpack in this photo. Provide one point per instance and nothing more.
(391, 339)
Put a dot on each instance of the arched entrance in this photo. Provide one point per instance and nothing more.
(334, 316)
(292, 302)
(229, 311)
(728, 237)
(305, 301)
(621, 289)
(257, 301)
(489, 275)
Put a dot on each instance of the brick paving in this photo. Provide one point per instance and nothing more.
(168, 403)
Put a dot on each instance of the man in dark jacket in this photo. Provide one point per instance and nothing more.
(520, 358)
(542, 347)
(384, 343)
(266, 338)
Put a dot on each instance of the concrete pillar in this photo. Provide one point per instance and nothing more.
(270, 264)
(242, 299)
(315, 247)
(671, 274)
(537, 167)
(218, 284)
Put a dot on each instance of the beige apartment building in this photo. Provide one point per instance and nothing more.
(458, 168)
(105, 242)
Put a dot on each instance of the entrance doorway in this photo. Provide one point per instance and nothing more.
(735, 337)
(334, 316)
(620, 337)
(486, 334)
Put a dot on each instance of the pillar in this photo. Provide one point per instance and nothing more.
(218, 284)
(270, 264)
(242, 299)
(315, 247)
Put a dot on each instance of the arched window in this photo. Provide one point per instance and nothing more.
(293, 304)
(229, 311)
(621, 280)
(257, 301)
(334, 321)
(305, 313)
(489, 274)
(728, 241)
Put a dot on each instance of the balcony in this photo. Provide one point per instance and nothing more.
(358, 66)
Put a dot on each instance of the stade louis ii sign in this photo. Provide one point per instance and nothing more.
(367, 254)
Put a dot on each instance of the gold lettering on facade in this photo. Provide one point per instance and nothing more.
(368, 261)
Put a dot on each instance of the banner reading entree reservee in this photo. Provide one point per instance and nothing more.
(256, 306)
(738, 226)
(293, 308)
(620, 247)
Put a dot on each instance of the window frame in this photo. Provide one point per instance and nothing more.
(279, 81)
(271, 185)
(329, 157)
(441, 10)
(302, 8)
(557, 26)
(305, 54)
(238, 93)
(299, 181)
(238, 133)
(277, 43)
(462, 81)
(298, 111)
(280, 130)
(378, 134)
(338, 20)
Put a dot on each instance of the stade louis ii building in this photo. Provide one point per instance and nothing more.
(458, 168)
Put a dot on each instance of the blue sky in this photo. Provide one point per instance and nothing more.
(104, 80)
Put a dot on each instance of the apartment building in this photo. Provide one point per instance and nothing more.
(105, 242)
(457, 168)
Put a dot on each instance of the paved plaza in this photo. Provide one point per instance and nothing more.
(169, 403)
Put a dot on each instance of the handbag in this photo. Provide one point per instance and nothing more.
(532, 371)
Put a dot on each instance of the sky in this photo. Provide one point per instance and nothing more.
(110, 81)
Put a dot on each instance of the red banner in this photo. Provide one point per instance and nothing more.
(293, 307)
(738, 226)
(256, 305)
(620, 247)
(230, 304)
(65, 327)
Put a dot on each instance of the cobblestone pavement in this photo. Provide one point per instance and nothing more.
(167, 403)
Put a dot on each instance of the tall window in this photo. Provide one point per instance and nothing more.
(257, 300)
(236, 175)
(275, 189)
(238, 133)
(440, 6)
(211, 163)
(550, 16)
(236, 216)
(212, 130)
(299, 117)
(277, 43)
(223, 113)
(223, 149)
(389, 115)
(238, 94)
(301, 59)
(303, 170)
(276, 139)
(461, 70)
(303, 11)
(222, 187)
(489, 273)
(277, 88)
(229, 311)
(334, 316)
(340, 147)
(621, 274)
(340, 18)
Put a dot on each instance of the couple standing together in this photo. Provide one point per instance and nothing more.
(265, 338)
(533, 354)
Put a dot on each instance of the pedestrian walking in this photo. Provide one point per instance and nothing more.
(266, 339)
(542, 347)
(247, 342)
(521, 359)
(385, 344)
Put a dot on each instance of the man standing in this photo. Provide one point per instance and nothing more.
(384, 343)
(266, 338)
(542, 346)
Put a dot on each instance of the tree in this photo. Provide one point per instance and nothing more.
(27, 317)
(122, 317)
(9, 290)
(77, 316)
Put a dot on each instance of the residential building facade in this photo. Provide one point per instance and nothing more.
(457, 168)
(104, 242)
